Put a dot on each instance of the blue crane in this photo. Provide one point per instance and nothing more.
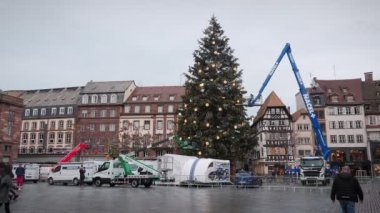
(252, 101)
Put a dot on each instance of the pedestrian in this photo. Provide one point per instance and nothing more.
(346, 189)
(82, 172)
(20, 175)
(13, 194)
(5, 186)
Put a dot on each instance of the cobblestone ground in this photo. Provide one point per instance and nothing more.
(88, 199)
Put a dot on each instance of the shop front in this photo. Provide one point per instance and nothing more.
(375, 154)
(355, 158)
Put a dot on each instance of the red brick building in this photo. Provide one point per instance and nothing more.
(10, 123)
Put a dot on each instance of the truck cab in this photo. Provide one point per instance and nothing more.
(312, 170)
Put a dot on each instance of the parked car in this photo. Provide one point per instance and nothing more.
(247, 179)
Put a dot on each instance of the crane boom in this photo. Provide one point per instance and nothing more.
(305, 96)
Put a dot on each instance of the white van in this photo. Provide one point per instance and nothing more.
(68, 173)
(32, 171)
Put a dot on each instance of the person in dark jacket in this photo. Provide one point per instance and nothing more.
(20, 175)
(346, 189)
(82, 172)
(5, 186)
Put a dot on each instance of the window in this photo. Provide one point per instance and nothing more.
(32, 138)
(93, 113)
(27, 112)
(333, 138)
(351, 124)
(103, 113)
(350, 138)
(146, 125)
(11, 117)
(69, 124)
(350, 98)
(125, 125)
(332, 111)
(317, 100)
(42, 125)
(60, 137)
(51, 137)
(112, 113)
(26, 126)
(34, 125)
(25, 138)
(92, 127)
(68, 138)
(160, 109)
(144, 98)
(102, 127)
(85, 99)
(172, 97)
(127, 109)
(358, 124)
(170, 124)
(334, 98)
(31, 150)
(357, 110)
(41, 137)
(94, 99)
(170, 108)
(158, 153)
(348, 110)
(307, 152)
(332, 125)
(160, 125)
(147, 108)
(340, 111)
(137, 109)
(372, 120)
(136, 125)
(61, 124)
(53, 111)
(103, 99)
(7, 148)
(342, 139)
(301, 152)
(359, 138)
(340, 124)
(84, 113)
(112, 127)
(70, 110)
(35, 112)
(134, 98)
(156, 98)
(113, 98)
(43, 111)
(61, 110)
(306, 127)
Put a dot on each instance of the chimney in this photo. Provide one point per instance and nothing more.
(368, 76)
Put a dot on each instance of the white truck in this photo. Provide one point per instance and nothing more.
(68, 173)
(32, 171)
(312, 170)
(125, 170)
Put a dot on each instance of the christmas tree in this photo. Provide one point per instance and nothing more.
(213, 115)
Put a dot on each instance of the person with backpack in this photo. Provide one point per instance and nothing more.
(20, 175)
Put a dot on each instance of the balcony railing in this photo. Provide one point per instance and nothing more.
(280, 158)
(42, 151)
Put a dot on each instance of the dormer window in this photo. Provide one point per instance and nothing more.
(317, 100)
(85, 99)
(329, 90)
(94, 99)
(113, 98)
(134, 98)
(171, 98)
(344, 90)
(144, 98)
(334, 98)
(103, 99)
(156, 98)
(349, 98)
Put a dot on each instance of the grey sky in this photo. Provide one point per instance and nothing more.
(60, 43)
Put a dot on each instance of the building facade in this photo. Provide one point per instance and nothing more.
(10, 122)
(371, 97)
(99, 107)
(149, 119)
(48, 122)
(275, 151)
(303, 134)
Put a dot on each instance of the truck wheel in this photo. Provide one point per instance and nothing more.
(135, 183)
(50, 181)
(98, 182)
(303, 183)
(76, 182)
(148, 183)
(35, 181)
(112, 184)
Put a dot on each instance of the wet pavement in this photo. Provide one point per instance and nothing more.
(42, 197)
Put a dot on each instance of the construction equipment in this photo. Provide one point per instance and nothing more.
(305, 96)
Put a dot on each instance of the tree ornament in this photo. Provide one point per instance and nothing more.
(213, 65)
(207, 125)
(235, 127)
(195, 109)
(199, 71)
(213, 42)
(207, 104)
(185, 121)
(225, 82)
(220, 109)
(201, 84)
(194, 122)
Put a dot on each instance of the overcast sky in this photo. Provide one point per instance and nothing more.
(62, 43)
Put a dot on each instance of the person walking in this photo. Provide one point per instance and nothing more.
(5, 186)
(346, 189)
(20, 175)
(82, 172)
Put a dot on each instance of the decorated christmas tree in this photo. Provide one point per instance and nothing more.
(213, 117)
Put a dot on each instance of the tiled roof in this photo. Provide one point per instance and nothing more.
(106, 87)
(298, 114)
(342, 88)
(51, 97)
(271, 101)
(164, 93)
